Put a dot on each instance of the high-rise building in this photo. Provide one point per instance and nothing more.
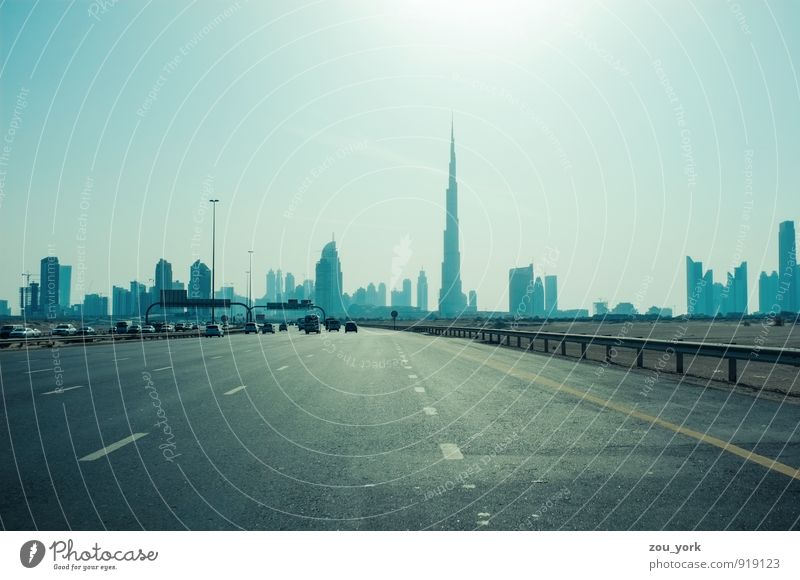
(50, 287)
(381, 294)
(328, 283)
(402, 298)
(4, 309)
(288, 293)
(95, 306)
(199, 280)
(272, 289)
(472, 302)
(308, 289)
(738, 297)
(520, 291)
(538, 298)
(163, 277)
(787, 266)
(768, 293)
(452, 301)
(422, 291)
(550, 295)
(601, 308)
(372, 294)
(139, 299)
(64, 286)
(700, 299)
(279, 286)
(120, 302)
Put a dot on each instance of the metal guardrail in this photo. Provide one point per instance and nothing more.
(50, 340)
(677, 348)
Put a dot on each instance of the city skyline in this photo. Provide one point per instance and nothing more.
(119, 172)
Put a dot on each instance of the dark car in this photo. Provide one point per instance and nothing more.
(282, 327)
(332, 324)
(5, 331)
(267, 328)
(350, 326)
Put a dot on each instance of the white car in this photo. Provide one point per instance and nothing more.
(214, 330)
(22, 332)
(148, 328)
(251, 327)
(65, 330)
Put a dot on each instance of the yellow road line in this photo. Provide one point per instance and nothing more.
(771, 464)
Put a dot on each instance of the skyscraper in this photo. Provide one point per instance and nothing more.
(538, 297)
(64, 286)
(279, 286)
(422, 291)
(381, 294)
(787, 266)
(550, 295)
(452, 301)
(739, 298)
(288, 292)
(163, 277)
(199, 280)
(520, 290)
(328, 285)
(472, 302)
(767, 292)
(49, 287)
(699, 290)
(372, 294)
(272, 291)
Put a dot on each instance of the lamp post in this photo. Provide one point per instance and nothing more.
(213, 252)
(250, 286)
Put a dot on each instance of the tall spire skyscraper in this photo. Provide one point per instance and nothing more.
(452, 301)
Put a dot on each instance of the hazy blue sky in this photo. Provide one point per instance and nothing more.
(604, 141)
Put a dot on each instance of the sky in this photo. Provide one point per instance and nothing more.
(602, 141)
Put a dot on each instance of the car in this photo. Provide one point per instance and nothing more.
(311, 324)
(350, 326)
(180, 327)
(195, 327)
(36, 332)
(214, 330)
(122, 326)
(6, 329)
(64, 330)
(134, 329)
(268, 328)
(22, 332)
(301, 323)
(332, 324)
(148, 329)
(251, 327)
(167, 328)
(86, 330)
(283, 327)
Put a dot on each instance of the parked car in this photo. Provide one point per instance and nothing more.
(180, 327)
(134, 329)
(167, 328)
(283, 327)
(148, 329)
(5, 330)
(36, 332)
(251, 327)
(86, 330)
(332, 324)
(350, 326)
(22, 332)
(64, 330)
(268, 328)
(214, 330)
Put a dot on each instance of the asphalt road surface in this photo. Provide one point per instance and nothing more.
(379, 430)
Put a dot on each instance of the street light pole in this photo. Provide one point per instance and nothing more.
(213, 252)
(250, 286)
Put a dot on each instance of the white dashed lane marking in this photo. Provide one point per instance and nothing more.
(59, 391)
(430, 411)
(218, 356)
(113, 447)
(419, 389)
(450, 451)
(161, 369)
(283, 367)
(39, 371)
(236, 390)
(412, 376)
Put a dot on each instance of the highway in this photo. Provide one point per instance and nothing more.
(380, 430)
